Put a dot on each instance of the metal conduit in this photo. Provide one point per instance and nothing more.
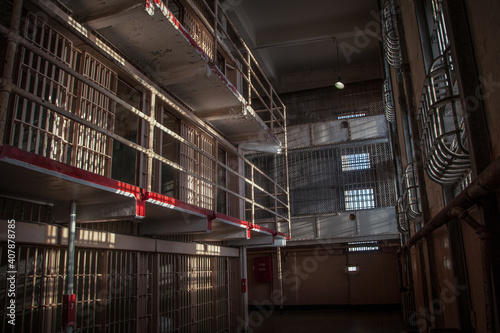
(390, 35)
(487, 182)
(389, 102)
(411, 196)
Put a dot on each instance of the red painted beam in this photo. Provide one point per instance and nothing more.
(10, 152)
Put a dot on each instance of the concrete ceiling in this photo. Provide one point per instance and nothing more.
(293, 40)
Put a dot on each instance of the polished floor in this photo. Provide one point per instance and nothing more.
(371, 320)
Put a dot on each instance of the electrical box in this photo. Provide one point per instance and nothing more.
(263, 269)
(243, 285)
(69, 310)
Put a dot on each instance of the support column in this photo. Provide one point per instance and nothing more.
(151, 142)
(70, 262)
(244, 276)
(280, 279)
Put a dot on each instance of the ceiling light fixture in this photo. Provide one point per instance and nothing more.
(338, 84)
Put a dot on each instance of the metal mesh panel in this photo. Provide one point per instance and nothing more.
(347, 177)
(327, 104)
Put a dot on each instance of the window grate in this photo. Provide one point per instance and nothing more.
(356, 162)
(359, 199)
(363, 246)
(390, 35)
(349, 116)
(320, 177)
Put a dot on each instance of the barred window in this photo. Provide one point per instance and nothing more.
(362, 246)
(355, 162)
(353, 115)
(359, 199)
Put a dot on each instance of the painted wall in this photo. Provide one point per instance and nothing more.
(338, 131)
(318, 276)
(484, 26)
(436, 266)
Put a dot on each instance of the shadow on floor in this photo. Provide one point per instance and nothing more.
(370, 319)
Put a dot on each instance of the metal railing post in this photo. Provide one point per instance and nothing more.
(216, 25)
(151, 140)
(252, 194)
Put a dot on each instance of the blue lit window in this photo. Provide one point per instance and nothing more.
(359, 199)
(354, 115)
(363, 246)
(355, 162)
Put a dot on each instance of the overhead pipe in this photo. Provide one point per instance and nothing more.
(487, 182)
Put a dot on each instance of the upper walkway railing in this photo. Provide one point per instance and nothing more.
(70, 105)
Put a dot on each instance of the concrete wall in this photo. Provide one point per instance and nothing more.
(318, 276)
(338, 131)
(434, 272)
(484, 26)
(370, 222)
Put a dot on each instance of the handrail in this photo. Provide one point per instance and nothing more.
(58, 109)
(487, 182)
(251, 71)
